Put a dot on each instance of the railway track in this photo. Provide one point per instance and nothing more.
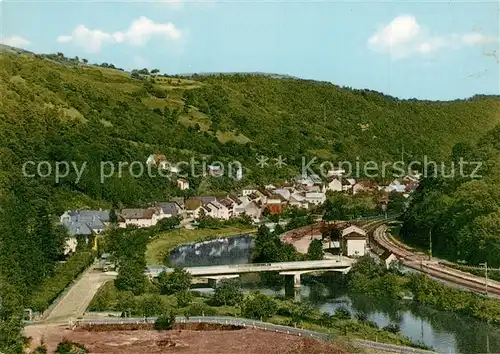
(434, 269)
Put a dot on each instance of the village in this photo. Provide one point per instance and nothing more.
(254, 202)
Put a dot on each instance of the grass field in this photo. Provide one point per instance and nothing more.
(167, 241)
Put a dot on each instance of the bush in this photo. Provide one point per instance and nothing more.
(200, 309)
(69, 347)
(226, 293)
(165, 322)
(342, 314)
(259, 306)
(52, 287)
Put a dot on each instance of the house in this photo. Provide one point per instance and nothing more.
(83, 223)
(364, 186)
(387, 258)
(204, 200)
(274, 208)
(140, 217)
(315, 198)
(395, 186)
(348, 184)
(254, 197)
(170, 209)
(179, 201)
(182, 183)
(226, 208)
(354, 241)
(298, 200)
(285, 193)
(248, 190)
(240, 204)
(193, 208)
(336, 173)
(308, 180)
(316, 187)
(287, 186)
(253, 211)
(217, 210)
(334, 185)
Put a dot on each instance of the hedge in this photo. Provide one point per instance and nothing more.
(64, 274)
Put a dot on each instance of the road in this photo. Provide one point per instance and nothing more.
(243, 322)
(420, 262)
(78, 297)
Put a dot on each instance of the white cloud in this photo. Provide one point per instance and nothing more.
(139, 33)
(404, 36)
(142, 29)
(475, 38)
(90, 40)
(15, 41)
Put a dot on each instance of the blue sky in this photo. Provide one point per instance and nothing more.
(430, 50)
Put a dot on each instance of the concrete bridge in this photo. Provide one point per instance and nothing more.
(291, 270)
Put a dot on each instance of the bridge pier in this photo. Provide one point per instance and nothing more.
(292, 285)
(216, 279)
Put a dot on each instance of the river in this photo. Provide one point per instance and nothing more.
(446, 332)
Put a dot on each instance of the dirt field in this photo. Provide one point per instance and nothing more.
(240, 341)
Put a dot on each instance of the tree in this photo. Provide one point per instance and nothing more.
(85, 61)
(184, 298)
(315, 250)
(227, 293)
(259, 306)
(155, 71)
(126, 302)
(175, 281)
(131, 278)
(168, 223)
(188, 98)
(151, 305)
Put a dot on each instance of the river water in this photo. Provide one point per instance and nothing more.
(446, 332)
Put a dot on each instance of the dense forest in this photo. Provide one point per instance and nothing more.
(460, 216)
(59, 109)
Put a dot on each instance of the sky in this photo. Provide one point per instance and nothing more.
(437, 50)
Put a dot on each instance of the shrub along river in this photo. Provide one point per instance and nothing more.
(446, 332)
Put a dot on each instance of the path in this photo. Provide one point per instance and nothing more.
(78, 297)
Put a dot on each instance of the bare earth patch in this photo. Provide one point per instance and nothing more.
(242, 341)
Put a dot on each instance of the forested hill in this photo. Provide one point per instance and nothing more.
(55, 108)
(461, 215)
